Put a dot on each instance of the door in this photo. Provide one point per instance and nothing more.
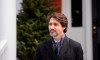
(96, 29)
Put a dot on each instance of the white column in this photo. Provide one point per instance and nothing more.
(87, 19)
(8, 27)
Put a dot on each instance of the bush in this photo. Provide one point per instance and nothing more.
(32, 27)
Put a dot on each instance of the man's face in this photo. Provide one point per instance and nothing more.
(55, 28)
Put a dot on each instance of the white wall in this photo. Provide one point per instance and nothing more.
(81, 34)
(87, 19)
(8, 29)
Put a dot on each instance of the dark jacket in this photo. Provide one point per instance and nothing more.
(70, 50)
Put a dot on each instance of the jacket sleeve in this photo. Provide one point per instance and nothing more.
(79, 53)
(37, 54)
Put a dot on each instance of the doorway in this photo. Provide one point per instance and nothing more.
(96, 29)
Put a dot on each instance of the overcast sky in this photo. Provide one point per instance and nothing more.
(18, 5)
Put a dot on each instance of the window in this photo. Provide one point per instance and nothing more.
(76, 6)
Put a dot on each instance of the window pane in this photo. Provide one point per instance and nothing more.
(76, 6)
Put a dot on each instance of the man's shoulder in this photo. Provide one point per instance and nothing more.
(74, 43)
(44, 43)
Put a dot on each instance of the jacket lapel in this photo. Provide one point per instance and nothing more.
(64, 47)
(49, 47)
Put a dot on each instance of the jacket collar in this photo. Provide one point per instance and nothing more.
(64, 48)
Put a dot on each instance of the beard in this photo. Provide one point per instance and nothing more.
(54, 34)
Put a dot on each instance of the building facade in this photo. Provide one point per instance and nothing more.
(84, 24)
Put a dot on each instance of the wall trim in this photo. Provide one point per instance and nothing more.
(3, 46)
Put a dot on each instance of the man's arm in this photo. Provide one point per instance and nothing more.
(79, 53)
(37, 54)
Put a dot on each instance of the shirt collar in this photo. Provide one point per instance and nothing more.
(63, 36)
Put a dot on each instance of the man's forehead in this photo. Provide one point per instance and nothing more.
(53, 20)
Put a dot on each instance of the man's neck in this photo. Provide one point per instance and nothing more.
(58, 37)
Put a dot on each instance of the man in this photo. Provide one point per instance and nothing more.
(59, 46)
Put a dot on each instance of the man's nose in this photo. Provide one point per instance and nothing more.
(52, 26)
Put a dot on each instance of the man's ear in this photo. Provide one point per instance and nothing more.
(63, 28)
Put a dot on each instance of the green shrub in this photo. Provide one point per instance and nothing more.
(32, 27)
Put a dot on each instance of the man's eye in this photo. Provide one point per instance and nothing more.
(55, 24)
(50, 24)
